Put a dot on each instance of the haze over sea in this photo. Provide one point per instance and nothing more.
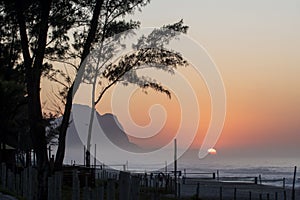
(270, 168)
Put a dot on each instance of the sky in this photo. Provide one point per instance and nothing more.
(255, 46)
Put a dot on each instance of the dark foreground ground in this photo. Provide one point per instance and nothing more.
(212, 190)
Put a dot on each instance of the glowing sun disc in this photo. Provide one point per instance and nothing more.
(212, 151)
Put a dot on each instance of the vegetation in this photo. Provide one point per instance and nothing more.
(51, 38)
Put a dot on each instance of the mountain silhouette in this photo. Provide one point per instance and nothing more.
(109, 124)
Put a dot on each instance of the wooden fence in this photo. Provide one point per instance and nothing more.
(191, 178)
(211, 185)
(79, 182)
(86, 183)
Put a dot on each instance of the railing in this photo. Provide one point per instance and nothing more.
(87, 183)
(101, 181)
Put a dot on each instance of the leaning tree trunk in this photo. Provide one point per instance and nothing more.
(60, 154)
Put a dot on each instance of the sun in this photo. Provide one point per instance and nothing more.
(212, 151)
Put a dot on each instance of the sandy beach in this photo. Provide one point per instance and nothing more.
(211, 190)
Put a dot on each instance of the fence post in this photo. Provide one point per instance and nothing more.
(0, 172)
(94, 194)
(250, 195)
(155, 182)
(75, 186)
(145, 180)
(221, 193)
(135, 188)
(18, 184)
(86, 193)
(179, 190)
(3, 175)
(34, 182)
(10, 180)
(51, 188)
(124, 183)
(234, 194)
(58, 185)
(171, 184)
(110, 189)
(30, 183)
(101, 192)
(24, 177)
(198, 190)
(167, 182)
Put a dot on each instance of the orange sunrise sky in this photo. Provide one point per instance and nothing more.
(255, 45)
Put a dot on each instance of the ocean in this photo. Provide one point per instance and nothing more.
(272, 170)
(268, 167)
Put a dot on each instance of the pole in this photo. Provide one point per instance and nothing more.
(198, 190)
(95, 156)
(234, 194)
(175, 165)
(166, 167)
(34, 160)
(84, 155)
(49, 151)
(294, 181)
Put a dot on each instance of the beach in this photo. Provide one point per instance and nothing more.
(213, 189)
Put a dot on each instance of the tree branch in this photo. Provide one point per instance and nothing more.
(62, 61)
(23, 34)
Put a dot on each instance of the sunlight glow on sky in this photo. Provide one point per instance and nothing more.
(255, 44)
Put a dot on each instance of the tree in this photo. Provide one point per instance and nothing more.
(33, 57)
(149, 52)
(13, 109)
(47, 32)
(40, 27)
(104, 22)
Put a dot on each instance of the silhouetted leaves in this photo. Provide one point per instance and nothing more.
(66, 31)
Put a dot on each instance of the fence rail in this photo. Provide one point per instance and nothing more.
(103, 183)
(86, 183)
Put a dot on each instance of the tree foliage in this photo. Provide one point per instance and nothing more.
(51, 39)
